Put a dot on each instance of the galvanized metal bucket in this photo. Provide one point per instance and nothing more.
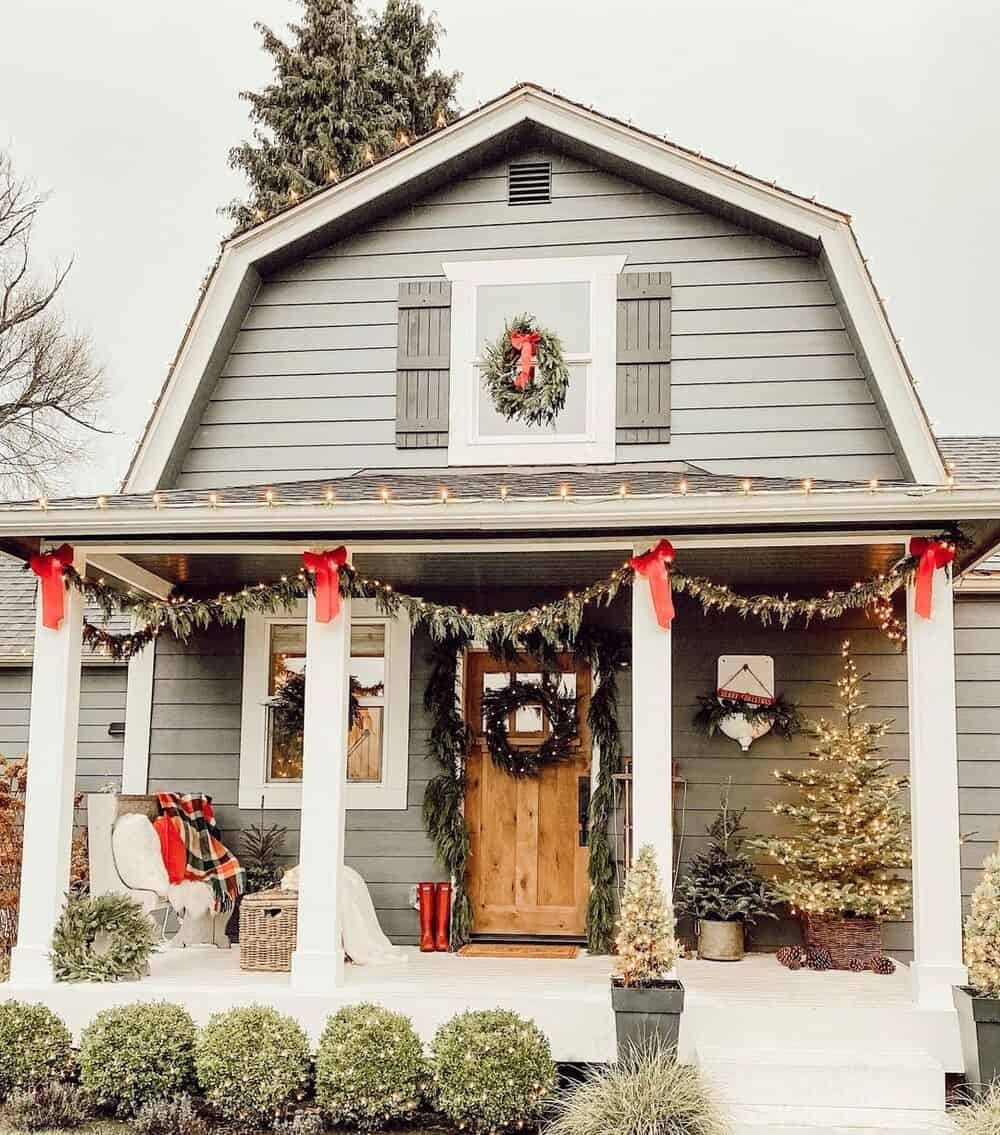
(720, 941)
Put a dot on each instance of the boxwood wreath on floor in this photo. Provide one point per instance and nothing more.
(126, 933)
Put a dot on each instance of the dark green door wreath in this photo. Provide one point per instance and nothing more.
(107, 938)
(525, 373)
(560, 709)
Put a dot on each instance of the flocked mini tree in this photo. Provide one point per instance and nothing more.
(982, 931)
(851, 831)
(645, 943)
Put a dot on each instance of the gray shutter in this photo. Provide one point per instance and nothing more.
(643, 369)
(422, 358)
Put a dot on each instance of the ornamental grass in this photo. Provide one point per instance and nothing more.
(646, 1092)
(980, 1116)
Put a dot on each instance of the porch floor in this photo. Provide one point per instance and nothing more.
(751, 1003)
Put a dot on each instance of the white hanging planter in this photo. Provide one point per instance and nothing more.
(740, 729)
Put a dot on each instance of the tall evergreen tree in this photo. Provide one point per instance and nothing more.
(348, 89)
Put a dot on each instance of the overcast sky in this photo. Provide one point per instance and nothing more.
(125, 110)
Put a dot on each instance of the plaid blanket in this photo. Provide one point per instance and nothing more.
(208, 858)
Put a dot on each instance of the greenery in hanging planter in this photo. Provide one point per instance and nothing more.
(644, 1092)
(782, 716)
(722, 884)
(370, 1068)
(36, 1048)
(492, 1070)
(646, 944)
(982, 932)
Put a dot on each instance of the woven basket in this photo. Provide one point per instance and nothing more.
(268, 925)
(847, 939)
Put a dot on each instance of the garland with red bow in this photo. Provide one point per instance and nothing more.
(525, 373)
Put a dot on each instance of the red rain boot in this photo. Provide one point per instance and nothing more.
(442, 919)
(425, 895)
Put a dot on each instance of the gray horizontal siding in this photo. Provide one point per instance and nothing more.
(195, 746)
(102, 701)
(977, 693)
(764, 379)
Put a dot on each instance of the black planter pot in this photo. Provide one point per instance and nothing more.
(642, 1014)
(979, 1029)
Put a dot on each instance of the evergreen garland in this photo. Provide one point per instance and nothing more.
(543, 399)
(560, 710)
(127, 931)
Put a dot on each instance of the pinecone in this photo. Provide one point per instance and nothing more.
(881, 964)
(818, 958)
(857, 965)
(790, 957)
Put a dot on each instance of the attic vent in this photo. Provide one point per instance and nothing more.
(529, 183)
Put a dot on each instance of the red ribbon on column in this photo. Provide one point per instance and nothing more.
(525, 342)
(326, 566)
(933, 554)
(49, 569)
(655, 566)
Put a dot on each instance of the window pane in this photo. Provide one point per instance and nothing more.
(563, 308)
(368, 658)
(286, 676)
(364, 746)
(571, 420)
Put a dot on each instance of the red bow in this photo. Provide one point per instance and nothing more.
(654, 565)
(326, 566)
(49, 569)
(933, 554)
(525, 342)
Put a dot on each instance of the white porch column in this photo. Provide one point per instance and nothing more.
(652, 750)
(318, 961)
(937, 901)
(48, 813)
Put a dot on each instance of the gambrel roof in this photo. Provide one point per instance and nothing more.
(529, 111)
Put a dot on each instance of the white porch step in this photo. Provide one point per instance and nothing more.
(839, 1121)
(822, 1090)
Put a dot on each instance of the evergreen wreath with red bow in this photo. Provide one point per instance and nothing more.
(525, 373)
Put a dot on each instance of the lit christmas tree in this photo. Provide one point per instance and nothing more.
(982, 932)
(646, 946)
(852, 833)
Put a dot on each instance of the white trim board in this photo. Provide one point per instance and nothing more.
(237, 276)
(138, 718)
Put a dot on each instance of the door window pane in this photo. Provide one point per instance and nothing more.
(286, 676)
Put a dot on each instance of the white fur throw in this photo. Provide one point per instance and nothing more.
(140, 866)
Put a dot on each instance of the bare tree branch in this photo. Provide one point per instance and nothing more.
(51, 386)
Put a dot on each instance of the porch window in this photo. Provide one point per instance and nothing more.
(575, 298)
(271, 748)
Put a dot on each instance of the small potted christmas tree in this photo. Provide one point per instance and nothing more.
(840, 866)
(647, 1001)
(978, 1003)
(722, 891)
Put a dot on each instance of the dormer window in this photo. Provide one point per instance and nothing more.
(573, 297)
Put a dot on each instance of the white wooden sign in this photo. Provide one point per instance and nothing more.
(746, 677)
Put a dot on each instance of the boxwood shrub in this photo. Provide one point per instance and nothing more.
(134, 1054)
(491, 1070)
(253, 1065)
(370, 1067)
(35, 1047)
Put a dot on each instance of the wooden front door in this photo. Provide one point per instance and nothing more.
(527, 869)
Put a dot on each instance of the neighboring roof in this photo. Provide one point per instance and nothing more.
(972, 459)
(328, 214)
(17, 616)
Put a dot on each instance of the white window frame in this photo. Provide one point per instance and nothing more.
(390, 792)
(597, 443)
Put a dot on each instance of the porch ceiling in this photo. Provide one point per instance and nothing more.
(795, 569)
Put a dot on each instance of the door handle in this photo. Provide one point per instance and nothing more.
(583, 808)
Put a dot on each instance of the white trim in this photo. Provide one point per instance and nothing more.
(391, 792)
(466, 445)
(136, 577)
(236, 277)
(138, 718)
(897, 505)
